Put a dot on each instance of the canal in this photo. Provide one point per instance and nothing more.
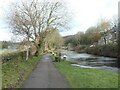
(85, 60)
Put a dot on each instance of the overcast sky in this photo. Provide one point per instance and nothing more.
(85, 13)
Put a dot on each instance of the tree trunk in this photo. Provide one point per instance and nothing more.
(37, 51)
(105, 40)
(27, 54)
(38, 47)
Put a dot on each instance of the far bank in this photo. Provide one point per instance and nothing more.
(110, 50)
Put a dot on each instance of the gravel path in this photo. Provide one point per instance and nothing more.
(45, 75)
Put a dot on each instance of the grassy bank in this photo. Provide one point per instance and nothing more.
(14, 72)
(87, 78)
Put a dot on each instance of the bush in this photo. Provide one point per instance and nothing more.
(105, 50)
(80, 48)
(11, 56)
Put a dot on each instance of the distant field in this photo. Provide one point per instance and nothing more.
(7, 51)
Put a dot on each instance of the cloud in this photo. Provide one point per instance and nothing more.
(85, 13)
(4, 35)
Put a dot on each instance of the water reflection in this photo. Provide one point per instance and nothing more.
(91, 61)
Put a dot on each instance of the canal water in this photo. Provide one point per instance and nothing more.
(85, 60)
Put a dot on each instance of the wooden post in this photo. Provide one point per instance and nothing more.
(27, 53)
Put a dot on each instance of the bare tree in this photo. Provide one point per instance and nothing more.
(29, 19)
(114, 20)
(104, 26)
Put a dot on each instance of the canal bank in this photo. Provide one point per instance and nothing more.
(87, 77)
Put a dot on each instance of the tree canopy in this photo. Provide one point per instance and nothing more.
(32, 19)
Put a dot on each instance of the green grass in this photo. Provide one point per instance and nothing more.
(14, 72)
(87, 78)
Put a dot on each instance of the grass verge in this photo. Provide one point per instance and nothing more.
(87, 78)
(14, 72)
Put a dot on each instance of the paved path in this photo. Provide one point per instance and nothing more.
(45, 76)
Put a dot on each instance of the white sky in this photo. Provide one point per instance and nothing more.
(85, 13)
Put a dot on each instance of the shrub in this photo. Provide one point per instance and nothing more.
(11, 56)
(80, 48)
(105, 50)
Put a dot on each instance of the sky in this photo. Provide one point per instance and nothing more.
(84, 14)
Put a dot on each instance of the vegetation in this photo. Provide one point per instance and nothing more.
(100, 39)
(110, 50)
(53, 39)
(91, 36)
(5, 44)
(15, 71)
(33, 19)
(87, 78)
(7, 51)
(39, 24)
(8, 44)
